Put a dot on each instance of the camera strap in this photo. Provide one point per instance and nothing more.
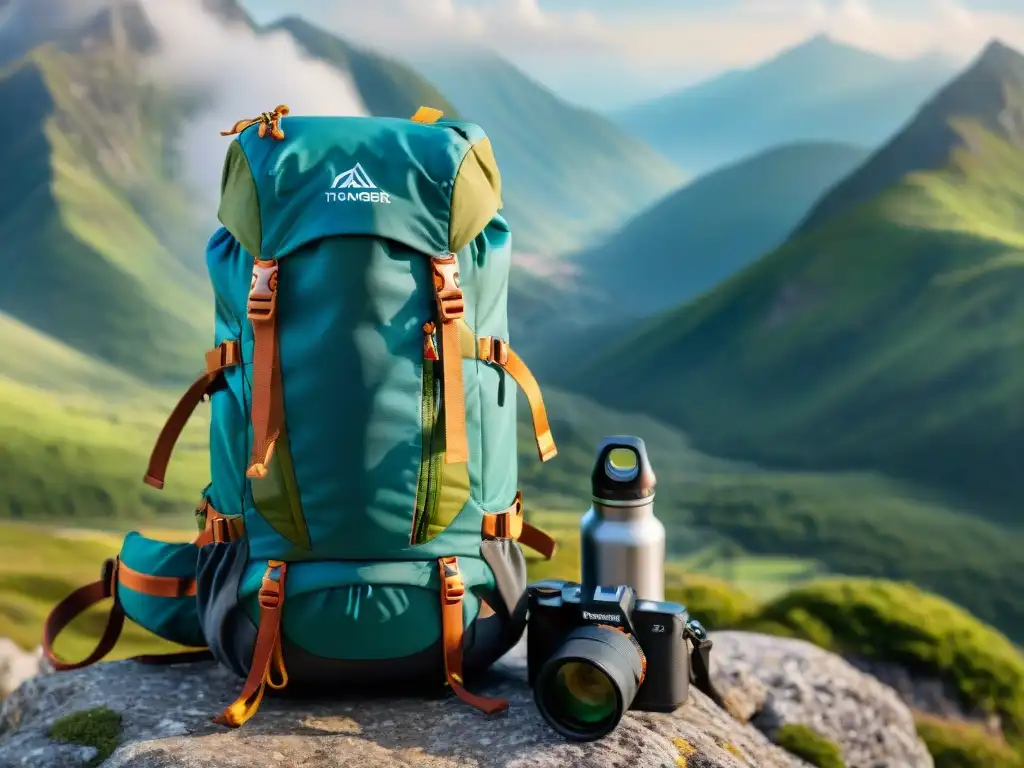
(700, 664)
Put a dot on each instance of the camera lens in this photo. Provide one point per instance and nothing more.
(585, 687)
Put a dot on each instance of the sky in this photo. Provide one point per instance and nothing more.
(607, 53)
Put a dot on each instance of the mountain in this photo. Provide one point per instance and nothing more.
(569, 175)
(928, 141)
(84, 168)
(388, 88)
(713, 227)
(820, 90)
(888, 336)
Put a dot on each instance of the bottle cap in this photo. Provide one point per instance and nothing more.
(622, 473)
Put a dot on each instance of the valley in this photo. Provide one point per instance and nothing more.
(833, 312)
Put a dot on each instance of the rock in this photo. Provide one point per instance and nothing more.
(166, 722)
(778, 681)
(16, 665)
(929, 694)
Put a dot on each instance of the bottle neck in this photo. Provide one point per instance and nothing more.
(618, 511)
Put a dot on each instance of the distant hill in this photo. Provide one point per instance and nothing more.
(891, 336)
(83, 173)
(570, 175)
(820, 90)
(710, 229)
(388, 88)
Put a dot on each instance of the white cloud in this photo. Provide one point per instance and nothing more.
(520, 26)
(244, 76)
(657, 48)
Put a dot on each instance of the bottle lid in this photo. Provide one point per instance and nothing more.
(622, 473)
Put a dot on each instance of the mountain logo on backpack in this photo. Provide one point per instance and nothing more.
(355, 178)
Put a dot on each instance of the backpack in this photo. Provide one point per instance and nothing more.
(363, 522)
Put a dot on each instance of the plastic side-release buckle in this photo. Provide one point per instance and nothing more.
(453, 588)
(451, 303)
(270, 589)
(263, 291)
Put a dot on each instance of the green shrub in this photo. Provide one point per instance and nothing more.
(808, 744)
(900, 623)
(963, 745)
(714, 602)
(99, 728)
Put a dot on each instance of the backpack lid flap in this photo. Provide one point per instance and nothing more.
(431, 187)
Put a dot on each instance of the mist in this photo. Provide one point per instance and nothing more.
(239, 72)
(243, 74)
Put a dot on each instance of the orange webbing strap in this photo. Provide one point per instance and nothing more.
(83, 598)
(219, 528)
(218, 359)
(267, 657)
(269, 121)
(509, 524)
(262, 312)
(451, 307)
(496, 351)
(452, 591)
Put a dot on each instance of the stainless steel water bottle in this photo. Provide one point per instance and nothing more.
(621, 541)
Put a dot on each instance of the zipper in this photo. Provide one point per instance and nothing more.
(430, 459)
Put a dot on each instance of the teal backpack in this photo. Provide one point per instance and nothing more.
(363, 523)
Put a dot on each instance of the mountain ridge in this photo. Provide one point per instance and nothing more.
(819, 90)
(932, 135)
(553, 155)
(887, 338)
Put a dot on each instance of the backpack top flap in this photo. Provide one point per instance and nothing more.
(432, 187)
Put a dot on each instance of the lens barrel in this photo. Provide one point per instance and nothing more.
(586, 686)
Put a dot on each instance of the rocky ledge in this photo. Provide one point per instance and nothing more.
(165, 721)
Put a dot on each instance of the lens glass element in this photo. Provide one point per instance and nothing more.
(582, 694)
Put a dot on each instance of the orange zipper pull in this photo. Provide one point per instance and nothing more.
(429, 348)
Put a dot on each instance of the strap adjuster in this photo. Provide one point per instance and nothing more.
(493, 349)
(453, 588)
(221, 530)
(263, 292)
(451, 303)
(270, 590)
(508, 524)
(108, 576)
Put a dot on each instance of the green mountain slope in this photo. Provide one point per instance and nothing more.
(569, 174)
(698, 236)
(84, 160)
(820, 90)
(77, 434)
(388, 88)
(890, 336)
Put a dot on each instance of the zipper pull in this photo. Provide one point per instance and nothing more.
(429, 348)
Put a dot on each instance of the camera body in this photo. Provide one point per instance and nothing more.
(659, 628)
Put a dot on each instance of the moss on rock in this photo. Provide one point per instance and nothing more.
(809, 745)
(99, 728)
(964, 745)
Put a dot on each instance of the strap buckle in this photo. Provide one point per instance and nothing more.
(493, 349)
(453, 588)
(224, 355)
(108, 576)
(508, 524)
(263, 292)
(270, 590)
(450, 301)
(221, 530)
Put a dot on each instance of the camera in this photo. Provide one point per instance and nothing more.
(595, 652)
